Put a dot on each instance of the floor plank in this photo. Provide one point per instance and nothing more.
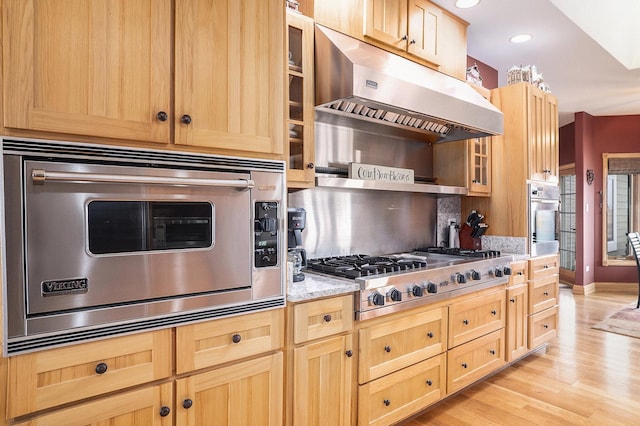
(585, 377)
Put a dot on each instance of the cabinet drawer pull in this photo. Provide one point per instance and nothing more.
(387, 349)
(494, 312)
(236, 338)
(164, 411)
(512, 300)
(412, 41)
(404, 37)
(546, 293)
(430, 335)
(492, 352)
(310, 166)
(327, 318)
(162, 116)
(187, 403)
(349, 353)
(185, 119)
(520, 273)
(464, 365)
(546, 326)
(465, 322)
(101, 368)
(429, 382)
(387, 402)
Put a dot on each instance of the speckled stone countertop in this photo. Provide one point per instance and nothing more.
(316, 286)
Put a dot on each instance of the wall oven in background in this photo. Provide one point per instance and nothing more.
(104, 240)
(544, 219)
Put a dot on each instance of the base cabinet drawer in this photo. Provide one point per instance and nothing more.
(322, 318)
(544, 266)
(140, 407)
(215, 342)
(394, 397)
(543, 293)
(54, 377)
(472, 361)
(398, 343)
(476, 317)
(543, 327)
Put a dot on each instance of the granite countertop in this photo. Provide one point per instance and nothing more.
(316, 286)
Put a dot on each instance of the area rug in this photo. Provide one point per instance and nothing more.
(626, 321)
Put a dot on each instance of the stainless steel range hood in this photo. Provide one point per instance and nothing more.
(364, 87)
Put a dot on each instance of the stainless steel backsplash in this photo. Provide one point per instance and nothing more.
(341, 222)
(347, 221)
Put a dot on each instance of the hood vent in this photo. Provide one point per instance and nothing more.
(361, 86)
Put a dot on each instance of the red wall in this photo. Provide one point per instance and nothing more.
(590, 138)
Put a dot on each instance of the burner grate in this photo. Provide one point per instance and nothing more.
(359, 265)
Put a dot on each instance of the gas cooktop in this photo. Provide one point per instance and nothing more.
(400, 281)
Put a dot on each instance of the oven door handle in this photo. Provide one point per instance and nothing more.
(40, 176)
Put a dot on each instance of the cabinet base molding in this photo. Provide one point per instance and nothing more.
(631, 288)
(584, 290)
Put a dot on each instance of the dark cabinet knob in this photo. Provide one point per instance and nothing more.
(164, 411)
(404, 37)
(512, 300)
(387, 402)
(546, 326)
(492, 352)
(327, 318)
(430, 335)
(236, 338)
(464, 365)
(101, 368)
(349, 353)
(387, 349)
(546, 293)
(185, 119)
(465, 322)
(494, 312)
(310, 166)
(395, 295)
(412, 41)
(187, 403)
(162, 116)
(429, 382)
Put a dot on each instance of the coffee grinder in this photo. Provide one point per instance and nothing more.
(297, 218)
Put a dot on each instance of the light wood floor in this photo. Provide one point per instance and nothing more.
(586, 377)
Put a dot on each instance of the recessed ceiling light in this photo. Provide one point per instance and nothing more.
(466, 4)
(520, 38)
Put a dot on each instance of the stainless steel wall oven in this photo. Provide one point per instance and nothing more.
(104, 240)
(544, 219)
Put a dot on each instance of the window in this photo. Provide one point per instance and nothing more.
(621, 206)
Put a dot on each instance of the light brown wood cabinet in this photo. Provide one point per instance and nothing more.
(527, 150)
(46, 379)
(516, 328)
(476, 316)
(105, 69)
(233, 366)
(416, 29)
(300, 84)
(543, 294)
(320, 360)
(393, 397)
(464, 163)
(399, 342)
(140, 407)
(473, 360)
(244, 393)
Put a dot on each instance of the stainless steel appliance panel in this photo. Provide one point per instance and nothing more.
(342, 221)
(544, 219)
(57, 240)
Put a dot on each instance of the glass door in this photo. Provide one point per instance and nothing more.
(568, 226)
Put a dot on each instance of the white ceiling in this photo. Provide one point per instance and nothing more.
(583, 73)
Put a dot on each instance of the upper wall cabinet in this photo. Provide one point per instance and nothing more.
(412, 26)
(88, 68)
(416, 29)
(105, 69)
(230, 74)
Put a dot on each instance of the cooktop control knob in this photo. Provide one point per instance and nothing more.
(460, 278)
(417, 291)
(395, 295)
(498, 272)
(475, 275)
(431, 287)
(506, 270)
(377, 299)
